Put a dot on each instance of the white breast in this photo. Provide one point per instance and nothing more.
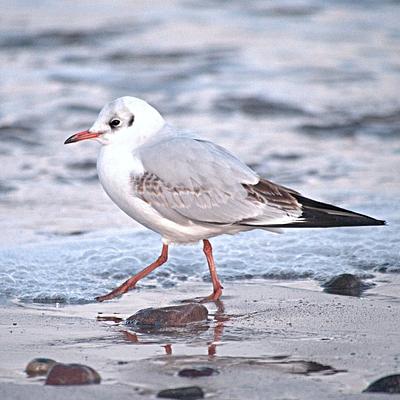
(115, 165)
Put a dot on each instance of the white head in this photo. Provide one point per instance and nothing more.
(127, 121)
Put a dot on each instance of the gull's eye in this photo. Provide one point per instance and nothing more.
(114, 123)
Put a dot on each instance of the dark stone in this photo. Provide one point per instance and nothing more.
(197, 372)
(345, 284)
(72, 374)
(183, 393)
(387, 384)
(39, 366)
(172, 316)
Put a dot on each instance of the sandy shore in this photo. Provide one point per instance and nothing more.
(260, 338)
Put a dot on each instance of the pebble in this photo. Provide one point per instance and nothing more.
(197, 372)
(39, 366)
(345, 284)
(183, 393)
(72, 374)
(157, 318)
(387, 384)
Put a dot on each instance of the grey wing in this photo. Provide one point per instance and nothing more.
(197, 180)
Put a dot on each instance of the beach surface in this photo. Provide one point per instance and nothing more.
(269, 339)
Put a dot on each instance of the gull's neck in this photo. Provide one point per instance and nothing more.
(165, 132)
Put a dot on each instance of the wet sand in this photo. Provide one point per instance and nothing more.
(266, 339)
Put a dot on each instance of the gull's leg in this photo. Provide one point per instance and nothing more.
(217, 292)
(131, 282)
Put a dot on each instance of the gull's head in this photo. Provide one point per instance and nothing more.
(127, 121)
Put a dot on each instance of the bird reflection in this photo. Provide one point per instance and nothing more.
(219, 319)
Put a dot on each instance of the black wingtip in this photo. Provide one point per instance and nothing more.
(322, 215)
(325, 215)
(373, 221)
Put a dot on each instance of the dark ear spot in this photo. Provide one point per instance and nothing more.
(131, 120)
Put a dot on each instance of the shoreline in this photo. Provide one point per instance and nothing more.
(261, 335)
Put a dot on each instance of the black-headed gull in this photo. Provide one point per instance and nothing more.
(188, 189)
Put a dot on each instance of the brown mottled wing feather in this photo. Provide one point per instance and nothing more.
(258, 204)
(314, 214)
(152, 188)
(274, 195)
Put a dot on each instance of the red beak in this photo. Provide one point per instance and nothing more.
(82, 136)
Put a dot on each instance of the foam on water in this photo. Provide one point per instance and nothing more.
(75, 270)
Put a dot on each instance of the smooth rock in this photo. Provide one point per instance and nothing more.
(197, 372)
(345, 284)
(157, 318)
(183, 393)
(387, 384)
(39, 366)
(72, 374)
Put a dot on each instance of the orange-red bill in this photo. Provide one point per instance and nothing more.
(81, 136)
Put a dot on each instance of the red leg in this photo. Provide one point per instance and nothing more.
(131, 282)
(217, 292)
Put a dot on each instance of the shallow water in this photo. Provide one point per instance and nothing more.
(76, 270)
(306, 92)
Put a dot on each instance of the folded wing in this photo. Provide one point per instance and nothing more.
(203, 182)
(187, 180)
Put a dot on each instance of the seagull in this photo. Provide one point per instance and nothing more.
(189, 190)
